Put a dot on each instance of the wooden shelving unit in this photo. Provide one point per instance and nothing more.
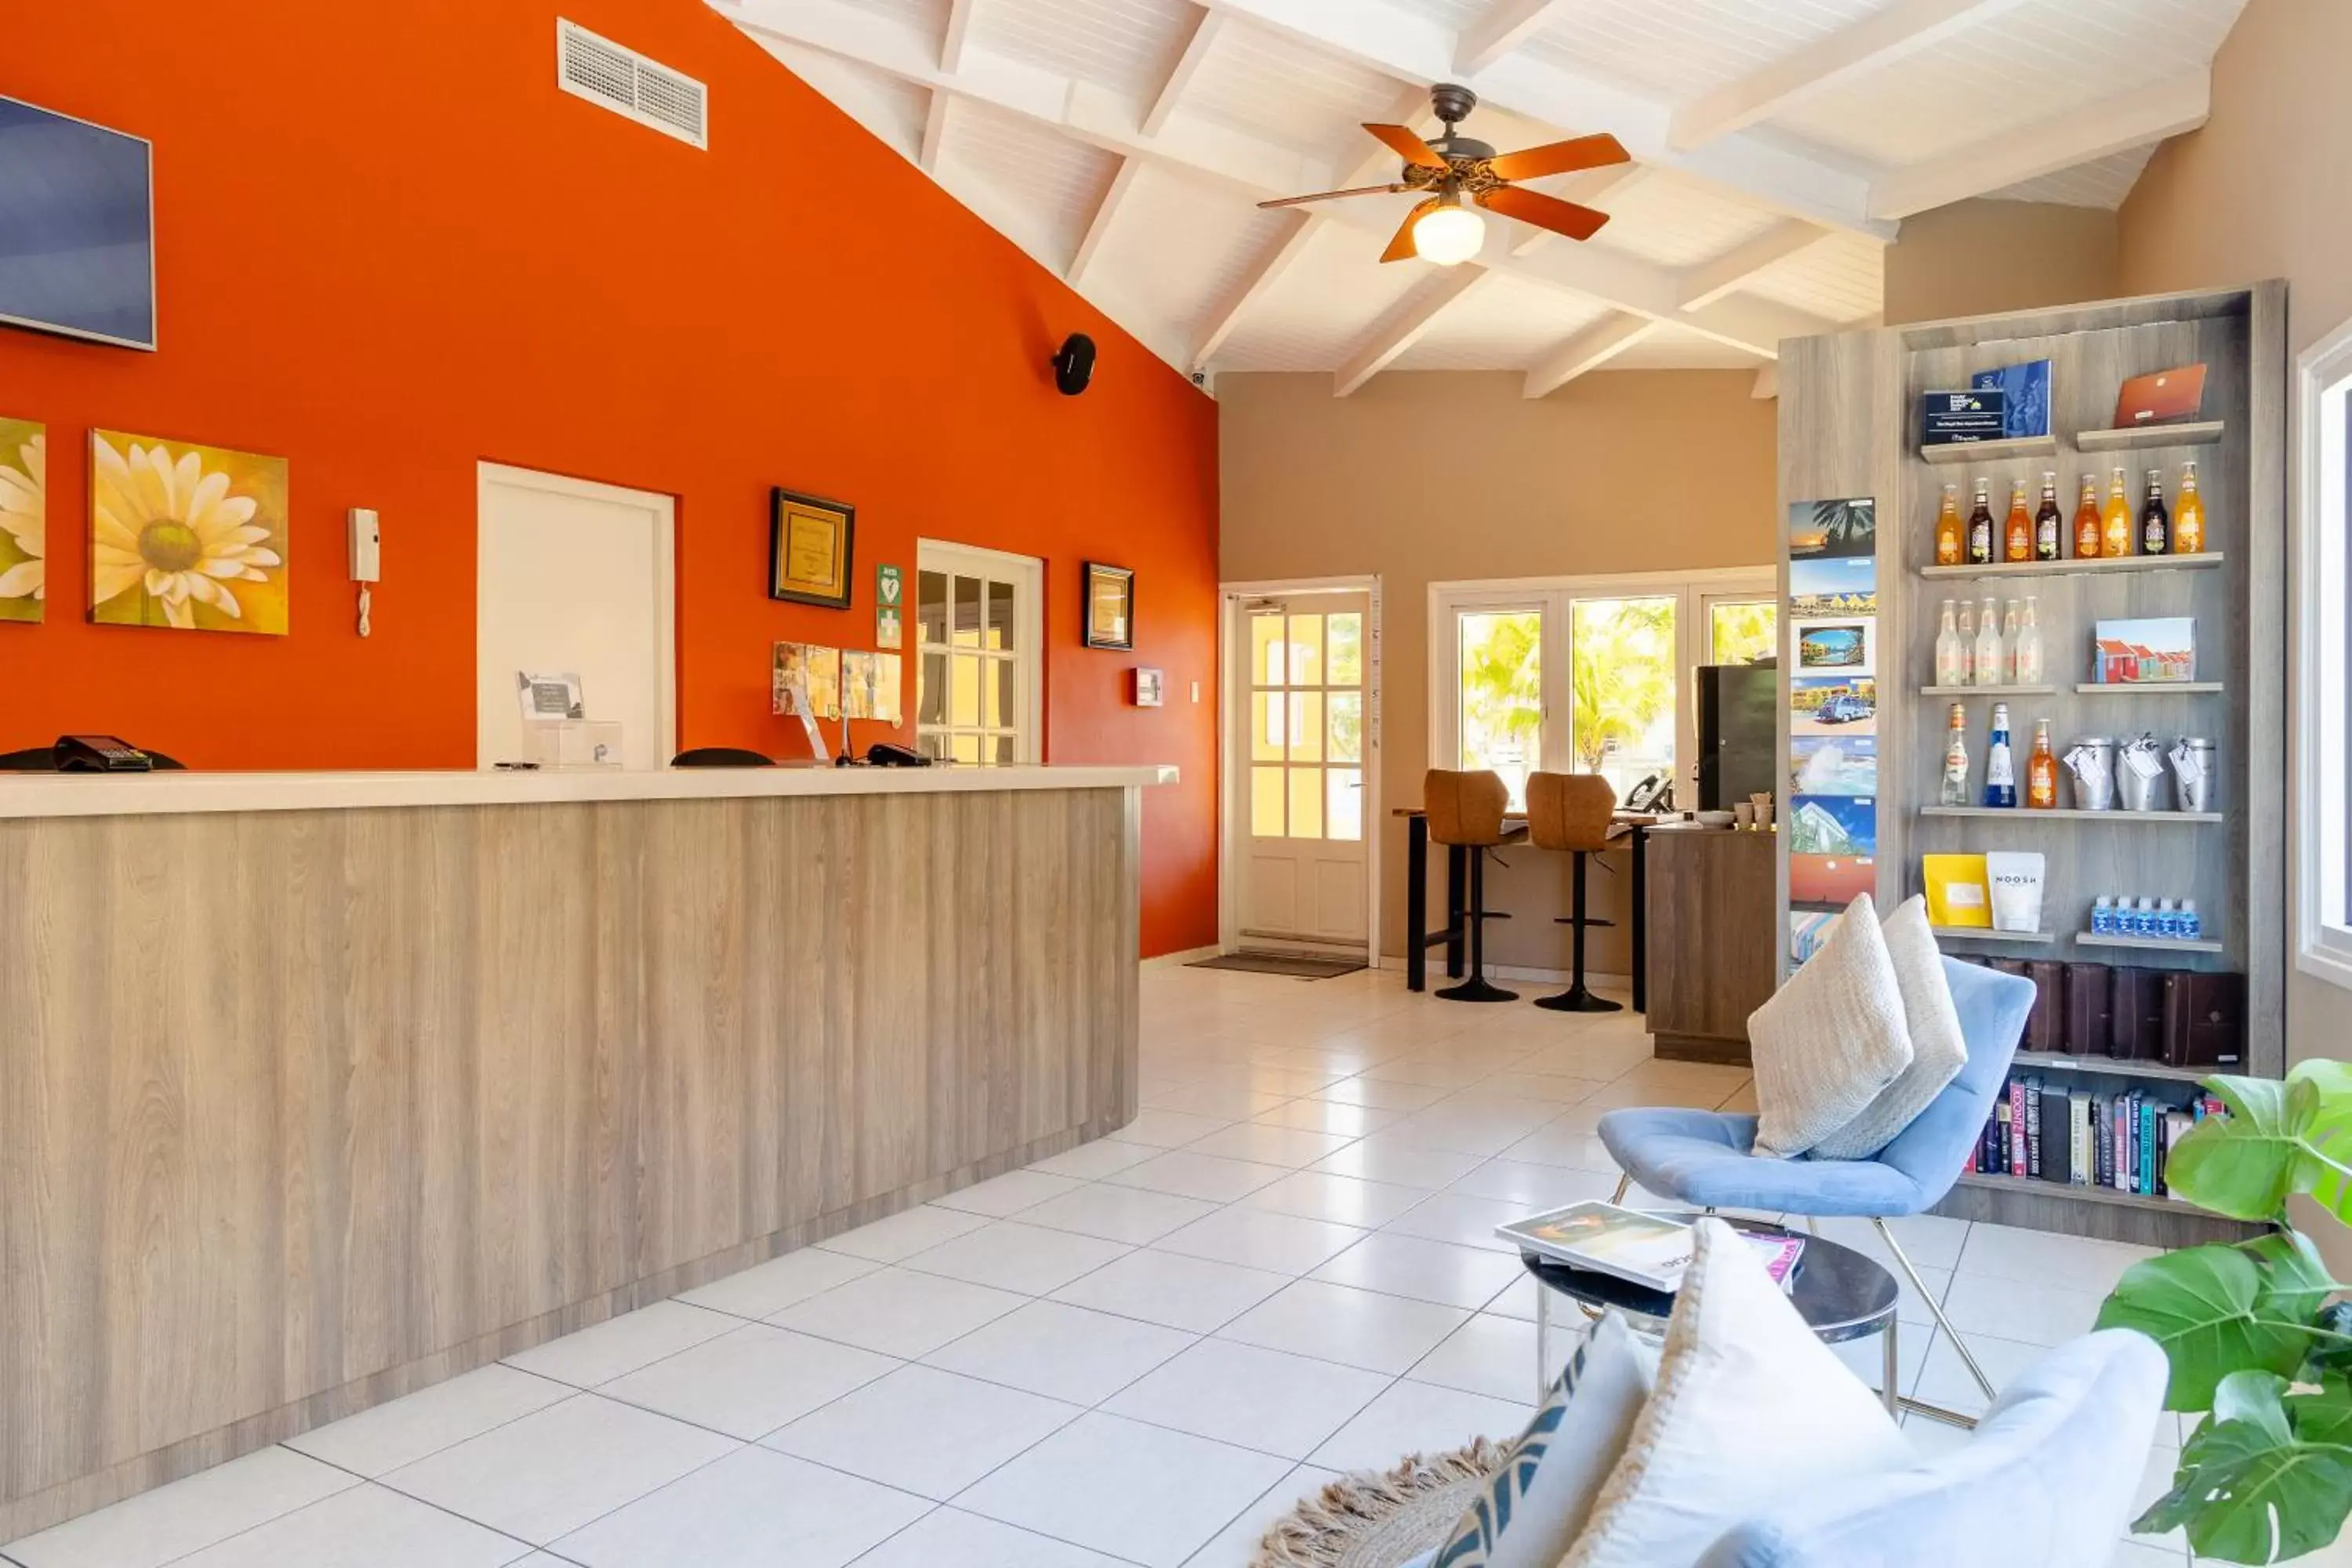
(2054, 1061)
(2068, 814)
(2150, 689)
(1995, 692)
(2104, 565)
(2148, 438)
(1989, 452)
(2020, 938)
(1848, 412)
(2148, 943)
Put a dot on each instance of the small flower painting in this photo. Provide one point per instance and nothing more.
(24, 508)
(187, 536)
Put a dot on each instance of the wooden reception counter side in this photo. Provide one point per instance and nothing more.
(1712, 949)
(317, 1090)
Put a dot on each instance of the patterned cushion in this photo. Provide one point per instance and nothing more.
(1749, 1408)
(1830, 1041)
(1938, 1050)
(1533, 1507)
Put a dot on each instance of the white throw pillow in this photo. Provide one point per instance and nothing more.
(1535, 1503)
(1938, 1049)
(1830, 1041)
(1749, 1408)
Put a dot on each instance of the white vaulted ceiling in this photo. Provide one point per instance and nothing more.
(1778, 144)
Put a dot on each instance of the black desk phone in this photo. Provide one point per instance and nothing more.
(99, 754)
(882, 754)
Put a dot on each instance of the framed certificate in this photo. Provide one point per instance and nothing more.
(1111, 606)
(809, 541)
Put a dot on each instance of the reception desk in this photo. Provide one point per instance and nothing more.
(315, 1090)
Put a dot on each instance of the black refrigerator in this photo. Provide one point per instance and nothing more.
(1738, 732)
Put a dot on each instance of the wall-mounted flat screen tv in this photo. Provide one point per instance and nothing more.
(77, 227)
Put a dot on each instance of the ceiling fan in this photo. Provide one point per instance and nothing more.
(1458, 174)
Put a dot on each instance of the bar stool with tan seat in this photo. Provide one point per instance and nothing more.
(1465, 811)
(1571, 813)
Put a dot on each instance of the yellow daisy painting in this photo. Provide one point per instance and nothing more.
(187, 536)
(24, 509)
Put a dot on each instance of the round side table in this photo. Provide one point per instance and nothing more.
(1840, 1293)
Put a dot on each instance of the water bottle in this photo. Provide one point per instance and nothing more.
(2167, 920)
(2193, 925)
(2102, 916)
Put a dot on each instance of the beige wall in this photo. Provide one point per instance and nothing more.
(1443, 476)
(1980, 257)
(2259, 193)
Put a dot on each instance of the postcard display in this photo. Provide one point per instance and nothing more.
(2172, 661)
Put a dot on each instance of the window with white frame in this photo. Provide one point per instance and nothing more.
(977, 655)
(1586, 675)
(2321, 743)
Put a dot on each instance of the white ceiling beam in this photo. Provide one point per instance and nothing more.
(2077, 134)
(1503, 26)
(1260, 169)
(1188, 66)
(935, 130)
(1589, 188)
(1418, 49)
(1705, 284)
(1877, 41)
(1407, 326)
(1099, 225)
(959, 28)
(1279, 259)
(1590, 349)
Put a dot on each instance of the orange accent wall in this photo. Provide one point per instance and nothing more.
(389, 246)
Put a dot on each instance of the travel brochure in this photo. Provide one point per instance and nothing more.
(1645, 1249)
(1832, 763)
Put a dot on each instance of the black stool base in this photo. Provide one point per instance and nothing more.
(1476, 989)
(1577, 999)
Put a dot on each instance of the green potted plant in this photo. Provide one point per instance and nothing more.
(2255, 1335)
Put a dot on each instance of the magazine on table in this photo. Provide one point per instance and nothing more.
(1645, 1249)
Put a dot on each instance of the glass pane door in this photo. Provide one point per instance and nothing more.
(970, 692)
(1306, 724)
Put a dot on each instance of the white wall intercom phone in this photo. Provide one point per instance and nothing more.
(367, 558)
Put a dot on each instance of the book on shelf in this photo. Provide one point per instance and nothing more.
(1645, 1249)
(2047, 1131)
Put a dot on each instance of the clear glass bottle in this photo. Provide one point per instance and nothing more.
(2048, 524)
(1980, 549)
(2189, 517)
(2017, 536)
(1956, 755)
(2001, 768)
(1990, 664)
(2155, 521)
(2008, 676)
(2116, 525)
(2041, 770)
(1967, 643)
(1951, 660)
(2025, 657)
(1948, 547)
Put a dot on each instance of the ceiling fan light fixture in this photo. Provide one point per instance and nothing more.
(1449, 235)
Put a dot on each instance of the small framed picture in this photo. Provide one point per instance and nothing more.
(809, 549)
(1111, 606)
(1150, 687)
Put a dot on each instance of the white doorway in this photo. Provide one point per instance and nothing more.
(575, 577)
(980, 658)
(1301, 796)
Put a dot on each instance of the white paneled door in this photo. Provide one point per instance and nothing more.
(1300, 756)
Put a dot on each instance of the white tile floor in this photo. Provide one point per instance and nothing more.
(1141, 1352)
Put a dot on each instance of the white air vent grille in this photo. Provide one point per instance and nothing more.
(627, 83)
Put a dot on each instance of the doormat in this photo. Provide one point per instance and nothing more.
(1292, 964)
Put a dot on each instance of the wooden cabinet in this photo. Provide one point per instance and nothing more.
(1713, 960)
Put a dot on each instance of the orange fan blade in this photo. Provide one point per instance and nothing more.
(1330, 195)
(1408, 146)
(1560, 158)
(1545, 212)
(1402, 248)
